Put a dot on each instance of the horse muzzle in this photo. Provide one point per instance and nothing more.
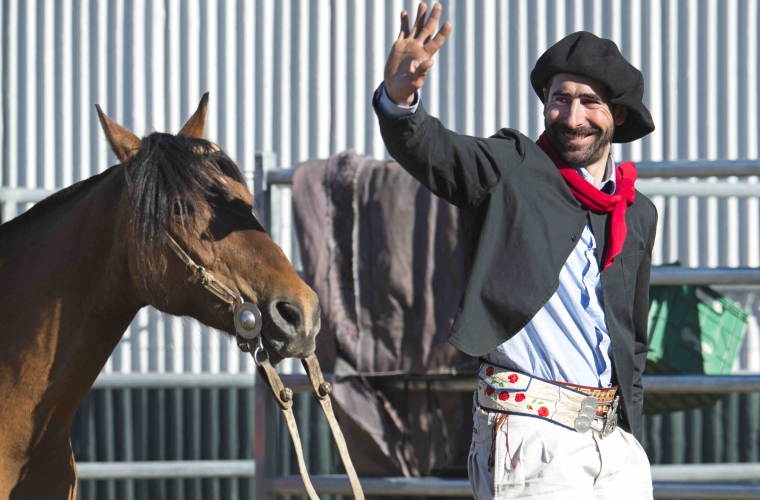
(293, 327)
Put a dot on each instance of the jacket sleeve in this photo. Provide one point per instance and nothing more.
(641, 319)
(458, 168)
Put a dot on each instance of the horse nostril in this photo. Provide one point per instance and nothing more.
(290, 313)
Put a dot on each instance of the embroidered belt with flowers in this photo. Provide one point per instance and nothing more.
(575, 407)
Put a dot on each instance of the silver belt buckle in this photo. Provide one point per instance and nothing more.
(586, 414)
(610, 423)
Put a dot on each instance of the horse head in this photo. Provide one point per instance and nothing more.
(185, 188)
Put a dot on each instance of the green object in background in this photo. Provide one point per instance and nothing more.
(691, 330)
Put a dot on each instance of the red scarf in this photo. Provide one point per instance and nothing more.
(594, 199)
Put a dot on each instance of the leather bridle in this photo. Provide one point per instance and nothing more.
(247, 320)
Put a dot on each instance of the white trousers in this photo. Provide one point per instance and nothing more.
(537, 459)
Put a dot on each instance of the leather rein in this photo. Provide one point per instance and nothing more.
(247, 319)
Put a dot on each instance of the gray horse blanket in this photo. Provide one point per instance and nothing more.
(384, 256)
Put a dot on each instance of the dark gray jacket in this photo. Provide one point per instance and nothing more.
(520, 222)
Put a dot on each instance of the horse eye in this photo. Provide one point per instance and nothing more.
(183, 208)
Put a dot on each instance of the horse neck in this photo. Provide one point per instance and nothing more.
(66, 297)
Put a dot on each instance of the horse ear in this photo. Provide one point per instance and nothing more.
(123, 142)
(196, 124)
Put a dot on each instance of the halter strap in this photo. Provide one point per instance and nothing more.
(322, 390)
(206, 278)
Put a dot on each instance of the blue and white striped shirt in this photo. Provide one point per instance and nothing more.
(567, 340)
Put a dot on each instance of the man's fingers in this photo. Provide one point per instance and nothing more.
(432, 22)
(419, 23)
(422, 69)
(404, 33)
(435, 44)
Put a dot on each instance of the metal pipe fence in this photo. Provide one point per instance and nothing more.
(662, 170)
(653, 384)
(182, 469)
(401, 486)
(174, 381)
(678, 169)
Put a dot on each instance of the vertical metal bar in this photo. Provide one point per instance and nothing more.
(339, 74)
(90, 421)
(694, 436)
(157, 437)
(192, 438)
(749, 423)
(322, 454)
(320, 60)
(355, 92)
(245, 418)
(8, 212)
(106, 438)
(246, 90)
(654, 441)
(303, 404)
(284, 457)
(12, 92)
(229, 442)
(175, 441)
(710, 436)
(263, 442)
(140, 435)
(284, 87)
(264, 74)
(83, 442)
(125, 439)
(730, 422)
(4, 47)
(265, 161)
(673, 438)
(210, 438)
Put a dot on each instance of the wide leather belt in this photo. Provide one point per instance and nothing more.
(572, 406)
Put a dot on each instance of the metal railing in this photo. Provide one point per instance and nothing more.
(175, 381)
(266, 174)
(401, 486)
(653, 384)
(679, 169)
(181, 469)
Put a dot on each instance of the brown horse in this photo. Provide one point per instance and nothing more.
(77, 267)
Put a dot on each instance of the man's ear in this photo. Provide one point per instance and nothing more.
(621, 113)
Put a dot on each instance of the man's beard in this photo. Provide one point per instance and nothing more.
(579, 156)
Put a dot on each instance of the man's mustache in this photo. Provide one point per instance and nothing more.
(575, 132)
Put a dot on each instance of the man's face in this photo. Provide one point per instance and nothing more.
(579, 120)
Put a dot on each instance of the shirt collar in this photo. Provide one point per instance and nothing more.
(609, 175)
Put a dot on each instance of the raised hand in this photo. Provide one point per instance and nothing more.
(412, 52)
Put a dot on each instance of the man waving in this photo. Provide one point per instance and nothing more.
(557, 246)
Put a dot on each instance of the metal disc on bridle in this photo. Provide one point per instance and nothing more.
(247, 320)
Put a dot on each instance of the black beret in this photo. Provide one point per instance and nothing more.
(583, 53)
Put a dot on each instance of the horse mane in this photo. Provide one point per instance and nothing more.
(169, 175)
